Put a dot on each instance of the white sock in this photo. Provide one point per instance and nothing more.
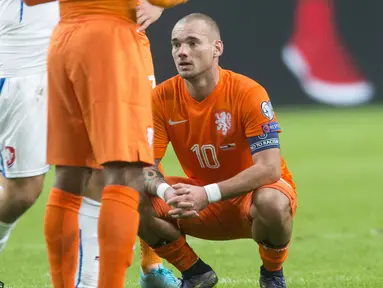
(5, 232)
(88, 266)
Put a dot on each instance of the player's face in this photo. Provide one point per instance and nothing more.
(193, 51)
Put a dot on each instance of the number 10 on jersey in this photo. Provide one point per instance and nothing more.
(206, 155)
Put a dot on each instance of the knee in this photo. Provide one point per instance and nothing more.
(271, 207)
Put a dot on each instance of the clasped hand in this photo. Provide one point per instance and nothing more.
(186, 200)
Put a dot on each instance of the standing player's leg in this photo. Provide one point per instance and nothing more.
(70, 150)
(153, 273)
(272, 210)
(116, 108)
(22, 147)
(87, 122)
(119, 220)
(97, 114)
(61, 223)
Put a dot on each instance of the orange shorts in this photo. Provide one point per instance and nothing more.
(224, 220)
(99, 97)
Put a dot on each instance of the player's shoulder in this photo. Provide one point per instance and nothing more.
(168, 89)
(241, 84)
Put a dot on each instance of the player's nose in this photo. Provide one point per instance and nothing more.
(183, 51)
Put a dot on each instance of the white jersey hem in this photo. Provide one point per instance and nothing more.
(23, 174)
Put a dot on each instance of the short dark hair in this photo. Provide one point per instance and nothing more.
(208, 21)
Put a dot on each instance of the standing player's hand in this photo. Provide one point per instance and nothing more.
(192, 197)
(147, 14)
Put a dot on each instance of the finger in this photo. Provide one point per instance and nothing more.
(139, 12)
(186, 214)
(182, 191)
(141, 19)
(175, 200)
(179, 186)
(176, 211)
(144, 25)
(185, 205)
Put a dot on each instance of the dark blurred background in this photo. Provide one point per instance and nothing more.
(255, 32)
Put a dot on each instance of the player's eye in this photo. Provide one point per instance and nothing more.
(176, 45)
(192, 43)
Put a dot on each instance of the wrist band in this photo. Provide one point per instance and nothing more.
(161, 190)
(213, 192)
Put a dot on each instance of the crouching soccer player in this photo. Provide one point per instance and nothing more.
(225, 134)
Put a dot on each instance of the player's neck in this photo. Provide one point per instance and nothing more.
(203, 85)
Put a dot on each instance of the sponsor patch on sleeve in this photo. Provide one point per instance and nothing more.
(271, 127)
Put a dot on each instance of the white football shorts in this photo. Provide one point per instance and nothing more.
(23, 126)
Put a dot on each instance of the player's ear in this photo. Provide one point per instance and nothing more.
(218, 48)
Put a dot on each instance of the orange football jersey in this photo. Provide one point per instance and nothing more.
(167, 3)
(210, 138)
(124, 9)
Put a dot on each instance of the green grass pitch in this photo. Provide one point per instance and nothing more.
(336, 156)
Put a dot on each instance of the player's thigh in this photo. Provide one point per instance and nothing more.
(224, 220)
(68, 140)
(284, 188)
(23, 126)
(115, 93)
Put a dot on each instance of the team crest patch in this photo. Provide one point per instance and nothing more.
(223, 121)
(9, 156)
(267, 110)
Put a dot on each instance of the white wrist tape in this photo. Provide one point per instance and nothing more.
(213, 192)
(161, 190)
